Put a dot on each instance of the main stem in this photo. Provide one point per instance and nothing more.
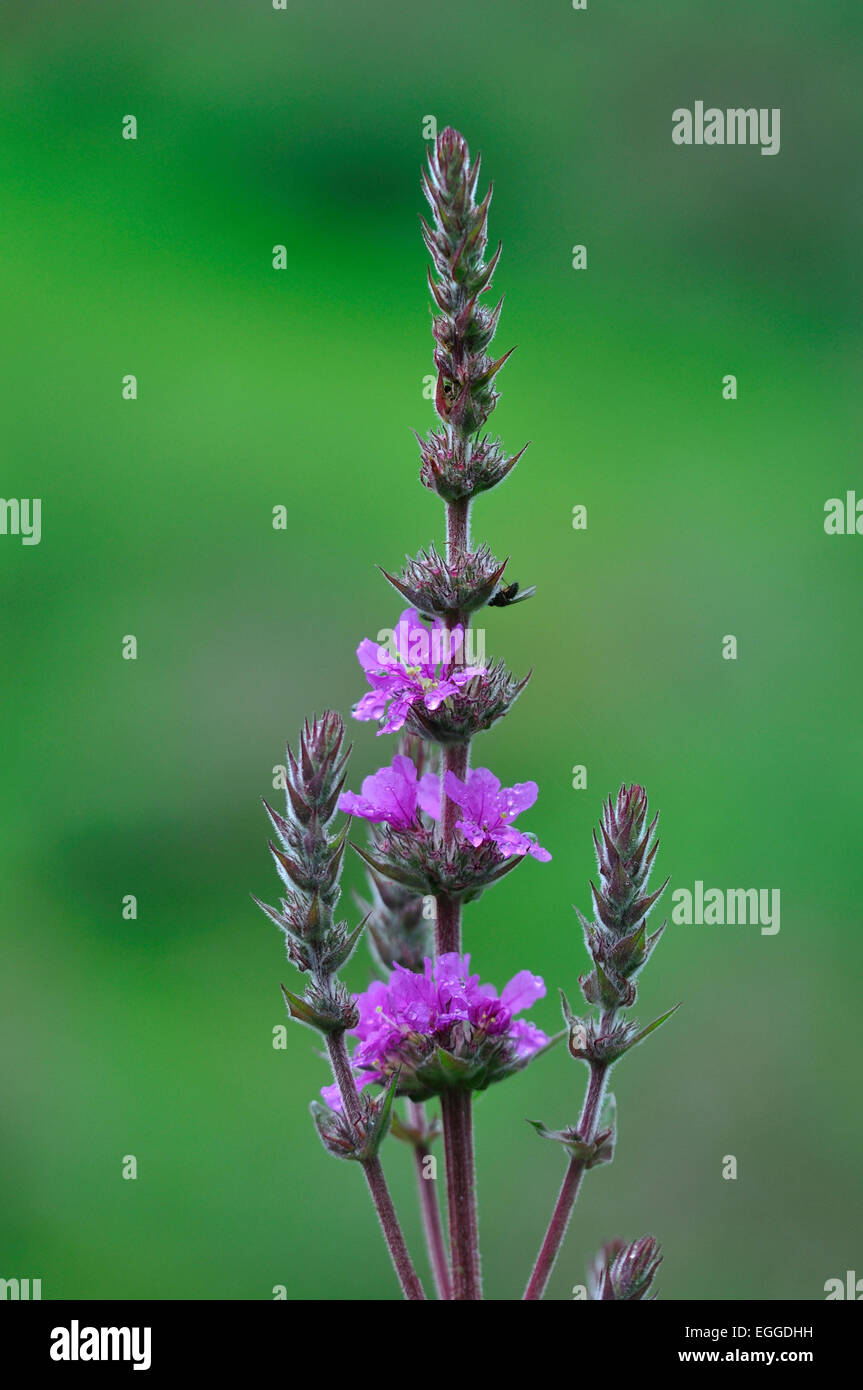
(456, 1107)
(457, 528)
(448, 910)
(456, 756)
(461, 1194)
(571, 1186)
(408, 1277)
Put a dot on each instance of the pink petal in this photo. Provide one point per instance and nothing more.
(519, 798)
(428, 794)
(523, 990)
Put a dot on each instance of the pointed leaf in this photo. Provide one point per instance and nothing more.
(455, 1067)
(378, 1132)
(569, 1016)
(406, 876)
(271, 912)
(652, 1027)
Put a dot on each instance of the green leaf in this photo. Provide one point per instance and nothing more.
(585, 1153)
(569, 1016)
(609, 995)
(652, 1027)
(405, 876)
(303, 1012)
(506, 868)
(543, 1130)
(378, 1133)
(552, 1042)
(339, 957)
(455, 1067)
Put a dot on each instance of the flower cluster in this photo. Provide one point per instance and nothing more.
(423, 670)
(488, 810)
(407, 848)
(441, 1029)
(475, 706)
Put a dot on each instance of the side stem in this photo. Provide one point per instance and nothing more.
(571, 1186)
(407, 1275)
(429, 1208)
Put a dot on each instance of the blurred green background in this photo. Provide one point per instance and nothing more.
(259, 388)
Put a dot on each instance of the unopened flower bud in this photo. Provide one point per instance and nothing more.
(622, 1272)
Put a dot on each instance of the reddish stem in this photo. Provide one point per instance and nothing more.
(557, 1226)
(408, 1277)
(457, 532)
(429, 1208)
(448, 912)
(456, 1105)
(461, 1194)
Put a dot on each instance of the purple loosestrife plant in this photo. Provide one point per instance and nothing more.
(440, 832)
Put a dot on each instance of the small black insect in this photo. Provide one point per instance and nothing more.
(509, 594)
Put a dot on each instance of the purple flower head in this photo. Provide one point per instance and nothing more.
(393, 795)
(443, 1028)
(420, 670)
(488, 811)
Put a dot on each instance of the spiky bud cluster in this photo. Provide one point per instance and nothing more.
(591, 1152)
(456, 472)
(448, 590)
(464, 329)
(621, 1272)
(421, 862)
(604, 1040)
(455, 463)
(308, 860)
(617, 939)
(397, 930)
(357, 1142)
(619, 946)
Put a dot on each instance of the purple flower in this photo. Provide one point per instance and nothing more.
(420, 672)
(489, 809)
(393, 795)
(404, 1023)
